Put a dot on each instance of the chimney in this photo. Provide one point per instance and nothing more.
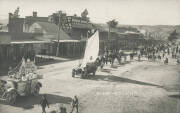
(34, 14)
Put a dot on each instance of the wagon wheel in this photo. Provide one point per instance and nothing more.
(73, 73)
(94, 73)
(82, 75)
(11, 97)
(85, 72)
(36, 91)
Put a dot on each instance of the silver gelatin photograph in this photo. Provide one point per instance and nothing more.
(89, 56)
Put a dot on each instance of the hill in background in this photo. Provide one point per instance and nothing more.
(156, 31)
(4, 21)
(161, 31)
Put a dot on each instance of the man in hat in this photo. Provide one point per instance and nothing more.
(75, 103)
(44, 103)
(62, 109)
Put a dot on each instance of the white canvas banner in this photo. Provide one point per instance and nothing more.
(92, 49)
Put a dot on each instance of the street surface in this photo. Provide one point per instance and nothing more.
(134, 87)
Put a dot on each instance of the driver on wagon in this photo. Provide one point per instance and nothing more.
(91, 58)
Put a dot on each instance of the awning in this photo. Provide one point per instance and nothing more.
(27, 42)
(66, 41)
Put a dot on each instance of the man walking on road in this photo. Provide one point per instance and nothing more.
(44, 103)
(75, 104)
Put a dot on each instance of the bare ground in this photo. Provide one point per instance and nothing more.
(135, 87)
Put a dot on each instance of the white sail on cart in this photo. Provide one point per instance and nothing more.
(89, 63)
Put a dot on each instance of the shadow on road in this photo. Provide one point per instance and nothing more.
(106, 70)
(28, 102)
(50, 62)
(124, 63)
(175, 96)
(140, 60)
(114, 67)
(112, 78)
(53, 62)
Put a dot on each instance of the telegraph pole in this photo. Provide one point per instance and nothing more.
(59, 28)
(108, 45)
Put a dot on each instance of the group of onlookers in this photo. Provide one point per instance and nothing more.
(152, 53)
(158, 52)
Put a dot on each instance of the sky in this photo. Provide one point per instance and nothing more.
(131, 12)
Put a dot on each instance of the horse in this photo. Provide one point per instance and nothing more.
(150, 57)
(159, 57)
(166, 61)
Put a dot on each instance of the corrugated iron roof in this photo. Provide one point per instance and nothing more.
(48, 27)
(52, 29)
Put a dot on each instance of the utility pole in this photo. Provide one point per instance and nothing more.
(109, 33)
(59, 28)
(108, 43)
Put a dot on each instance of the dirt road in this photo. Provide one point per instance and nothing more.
(135, 87)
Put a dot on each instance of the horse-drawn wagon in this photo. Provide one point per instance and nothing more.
(84, 72)
(90, 61)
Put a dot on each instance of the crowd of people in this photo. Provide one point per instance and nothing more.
(150, 53)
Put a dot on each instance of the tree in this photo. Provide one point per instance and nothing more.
(173, 36)
(16, 13)
(84, 13)
(111, 24)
